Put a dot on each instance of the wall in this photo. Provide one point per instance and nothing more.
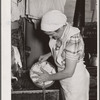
(89, 12)
(33, 43)
(37, 41)
(70, 8)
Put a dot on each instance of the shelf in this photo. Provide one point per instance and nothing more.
(33, 91)
(35, 95)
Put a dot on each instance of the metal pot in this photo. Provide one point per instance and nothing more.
(93, 60)
(47, 67)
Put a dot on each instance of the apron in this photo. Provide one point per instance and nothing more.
(76, 87)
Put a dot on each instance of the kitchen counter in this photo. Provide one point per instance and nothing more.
(35, 95)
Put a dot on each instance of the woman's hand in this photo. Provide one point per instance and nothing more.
(42, 77)
(44, 57)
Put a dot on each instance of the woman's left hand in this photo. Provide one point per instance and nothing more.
(42, 77)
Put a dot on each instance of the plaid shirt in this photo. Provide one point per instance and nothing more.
(74, 48)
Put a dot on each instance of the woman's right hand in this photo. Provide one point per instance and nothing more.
(44, 57)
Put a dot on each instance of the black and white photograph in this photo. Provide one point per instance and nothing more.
(50, 50)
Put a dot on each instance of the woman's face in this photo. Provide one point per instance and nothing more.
(55, 34)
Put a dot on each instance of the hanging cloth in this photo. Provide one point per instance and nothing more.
(17, 10)
(37, 8)
(17, 56)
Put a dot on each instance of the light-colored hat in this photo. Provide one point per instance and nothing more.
(53, 20)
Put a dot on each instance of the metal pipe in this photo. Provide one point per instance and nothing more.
(79, 15)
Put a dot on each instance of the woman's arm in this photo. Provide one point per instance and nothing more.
(66, 73)
(48, 54)
(44, 57)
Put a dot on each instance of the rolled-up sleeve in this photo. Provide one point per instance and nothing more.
(73, 47)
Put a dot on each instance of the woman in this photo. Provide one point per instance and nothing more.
(67, 49)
